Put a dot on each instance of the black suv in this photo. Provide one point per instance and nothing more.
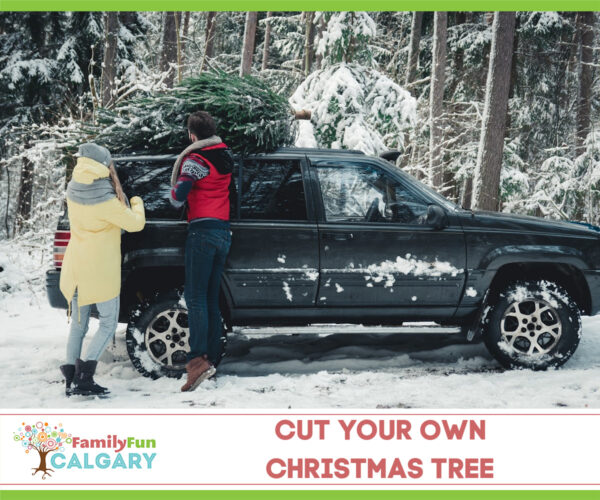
(337, 236)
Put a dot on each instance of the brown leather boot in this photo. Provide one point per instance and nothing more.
(198, 370)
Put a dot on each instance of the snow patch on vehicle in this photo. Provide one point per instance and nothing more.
(386, 270)
(338, 288)
(414, 298)
(281, 259)
(287, 290)
(312, 274)
(304, 272)
(471, 292)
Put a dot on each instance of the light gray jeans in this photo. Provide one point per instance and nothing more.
(108, 314)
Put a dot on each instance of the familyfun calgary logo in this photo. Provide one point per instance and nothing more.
(52, 442)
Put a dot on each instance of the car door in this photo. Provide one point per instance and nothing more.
(274, 257)
(376, 246)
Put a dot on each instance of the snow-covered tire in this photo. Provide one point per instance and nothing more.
(532, 324)
(157, 336)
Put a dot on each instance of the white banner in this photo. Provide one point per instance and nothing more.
(285, 449)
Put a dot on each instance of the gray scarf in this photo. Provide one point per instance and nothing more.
(203, 143)
(99, 191)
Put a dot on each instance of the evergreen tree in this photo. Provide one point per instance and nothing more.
(250, 117)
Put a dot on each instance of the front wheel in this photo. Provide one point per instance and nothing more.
(157, 336)
(532, 324)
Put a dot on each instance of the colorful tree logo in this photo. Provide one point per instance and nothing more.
(44, 439)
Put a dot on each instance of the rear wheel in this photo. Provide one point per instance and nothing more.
(158, 337)
(533, 324)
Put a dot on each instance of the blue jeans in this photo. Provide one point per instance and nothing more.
(206, 250)
(108, 313)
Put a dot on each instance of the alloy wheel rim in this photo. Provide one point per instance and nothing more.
(531, 326)
(167, 338)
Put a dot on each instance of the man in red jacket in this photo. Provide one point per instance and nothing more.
(202, 177)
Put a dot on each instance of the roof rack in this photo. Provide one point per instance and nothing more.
(320, 151)
(143, 157)
(294, 150)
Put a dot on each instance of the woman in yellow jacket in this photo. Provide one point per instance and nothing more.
(91, 270)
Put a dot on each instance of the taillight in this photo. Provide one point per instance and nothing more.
(61, 240)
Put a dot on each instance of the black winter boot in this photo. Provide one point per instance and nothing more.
(84, 379)
(68, 372)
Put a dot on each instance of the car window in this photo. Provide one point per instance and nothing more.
(272, 190)
(364, 193)
(150, 180)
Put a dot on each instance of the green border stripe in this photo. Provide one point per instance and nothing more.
(306, 5)
(47, 494)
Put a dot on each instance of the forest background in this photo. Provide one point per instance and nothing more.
(497, 111)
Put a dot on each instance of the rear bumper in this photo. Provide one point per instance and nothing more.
(55, 296)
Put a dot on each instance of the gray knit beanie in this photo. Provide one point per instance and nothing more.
(95, 152)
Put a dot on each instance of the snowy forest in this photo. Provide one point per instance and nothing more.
(497, 111)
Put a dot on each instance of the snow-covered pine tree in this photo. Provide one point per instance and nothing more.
(286, 39)
(39, 82)
(347, 38)
(353, 105)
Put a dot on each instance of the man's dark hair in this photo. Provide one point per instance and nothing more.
(201, 124)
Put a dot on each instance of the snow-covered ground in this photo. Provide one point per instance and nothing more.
(344, 368)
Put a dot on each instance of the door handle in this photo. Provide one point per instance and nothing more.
(338, 236)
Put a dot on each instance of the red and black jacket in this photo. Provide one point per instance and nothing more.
(205, 182)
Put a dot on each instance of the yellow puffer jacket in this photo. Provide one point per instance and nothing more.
(92, 262)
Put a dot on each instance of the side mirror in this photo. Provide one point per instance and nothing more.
(436, 217)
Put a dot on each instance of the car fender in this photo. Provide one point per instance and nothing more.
(512, 254)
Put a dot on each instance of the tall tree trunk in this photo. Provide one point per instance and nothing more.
(265, 57)
(7, 208)
(489, 158)
(460, 18)
(169, 47)
(413, 47)
(209, 41)
(211, 26)
(321, 27)
(249, 39)
(436, 102)
(109, 63)
(25, 196)
(179, 52)
(467, 193)
(309, 42)
(186, 28)
(585, 25)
